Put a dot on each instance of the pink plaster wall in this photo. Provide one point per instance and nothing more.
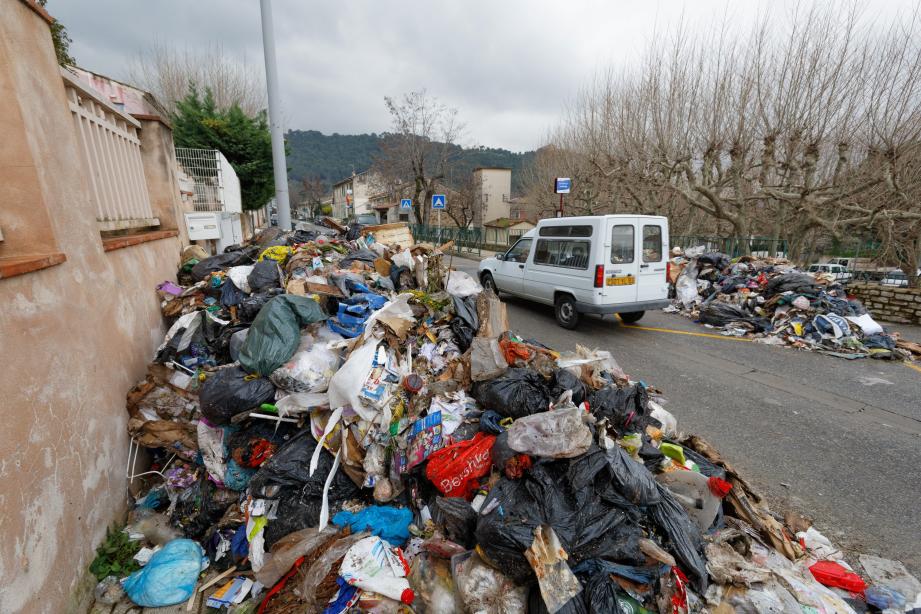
(73, 339)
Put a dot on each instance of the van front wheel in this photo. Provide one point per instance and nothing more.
(631, 316)
(567, 315)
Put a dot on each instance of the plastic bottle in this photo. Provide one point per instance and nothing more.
(372, 565)
(699, 495)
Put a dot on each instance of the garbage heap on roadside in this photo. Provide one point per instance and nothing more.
(342, 425)
(772, 301)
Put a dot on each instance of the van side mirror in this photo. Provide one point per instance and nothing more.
(500, 256)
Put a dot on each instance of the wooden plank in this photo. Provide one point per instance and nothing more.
(334, 224)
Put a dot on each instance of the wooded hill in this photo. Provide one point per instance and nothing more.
(312, 154)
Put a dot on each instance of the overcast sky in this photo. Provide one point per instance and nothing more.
(508, 66)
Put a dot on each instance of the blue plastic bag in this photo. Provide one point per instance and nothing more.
(169, 577)
(388, 523)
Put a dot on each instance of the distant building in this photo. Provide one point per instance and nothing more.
(505, 231)
(352, 195)
(495, 191)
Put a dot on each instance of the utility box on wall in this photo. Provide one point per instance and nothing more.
(203, 226)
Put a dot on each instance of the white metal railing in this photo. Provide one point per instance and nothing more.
(216, 185)
(112, 158)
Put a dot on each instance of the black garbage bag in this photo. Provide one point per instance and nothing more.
(715, 259)
(230, 294)
(300, 495)
(800, 283)
(201, 505)
(223, 344)
(231, 391)
(194, 343)
(681, 537)
(466, 323)
(516, 393)
(302, 236)
(725, 314)
(218, 263)
(364, 255)
(564, 380)
(458, 519)
(587, 518)
(265, 275)
(353, 232)
(275, 334)
(250, 306)
(257, 440)
(627, 409)
(400, 277)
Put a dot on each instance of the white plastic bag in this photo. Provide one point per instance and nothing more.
(686, 285)
(462, 285)
(866, 323)
(239, 275)
(404, 258)
(346, 384)
(372, 565)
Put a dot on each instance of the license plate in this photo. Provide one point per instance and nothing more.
(629, 280)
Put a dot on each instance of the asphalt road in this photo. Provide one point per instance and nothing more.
(838, 441)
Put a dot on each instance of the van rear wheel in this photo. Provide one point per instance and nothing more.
(630, 317)
(567, 315)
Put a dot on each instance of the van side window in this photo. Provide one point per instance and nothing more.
(566, 231)
(652, 243)
(563, 253)
(622, 243)
(519, 251)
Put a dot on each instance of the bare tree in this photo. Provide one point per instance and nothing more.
(312, 192)
(167, 72)
(465, 202)
(807, 127)
(418, 150)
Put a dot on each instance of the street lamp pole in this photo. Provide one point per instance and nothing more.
(275, 128)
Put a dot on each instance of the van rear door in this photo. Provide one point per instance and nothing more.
(619, 258)
(652, 284)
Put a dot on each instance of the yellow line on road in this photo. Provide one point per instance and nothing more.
(911, 366)
(684, 332)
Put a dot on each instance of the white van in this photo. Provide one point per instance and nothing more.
(592, 264)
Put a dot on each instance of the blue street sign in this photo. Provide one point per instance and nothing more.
(562, 185)
(438, 201)
(406, 203)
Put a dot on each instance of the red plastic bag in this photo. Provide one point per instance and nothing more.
(831, 573)
(455, 469)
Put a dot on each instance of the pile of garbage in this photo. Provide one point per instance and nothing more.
(341, 425)
(773, 302)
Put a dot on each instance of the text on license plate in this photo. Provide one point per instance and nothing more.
(629, 280)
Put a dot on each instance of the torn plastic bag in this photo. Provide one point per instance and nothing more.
(324, 571)
(191, 336)
(312, 366)
(561, 433)
(590, 518)
(483, 588)
(340, 279)
(249, 307)
(548, 560)
(201, 505)
(462, 285)
(212, 264)
(564, 380)
(169, 577)
(211, 446)
(288, 549)
(518, 392)
(466, 323)
(300, 495)
(397, 315)
(236, 342)
(230, 391)
(715, 259)
(627, 409)
(275, 332)
(264, 276)
(434, 586)
(486, 359)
